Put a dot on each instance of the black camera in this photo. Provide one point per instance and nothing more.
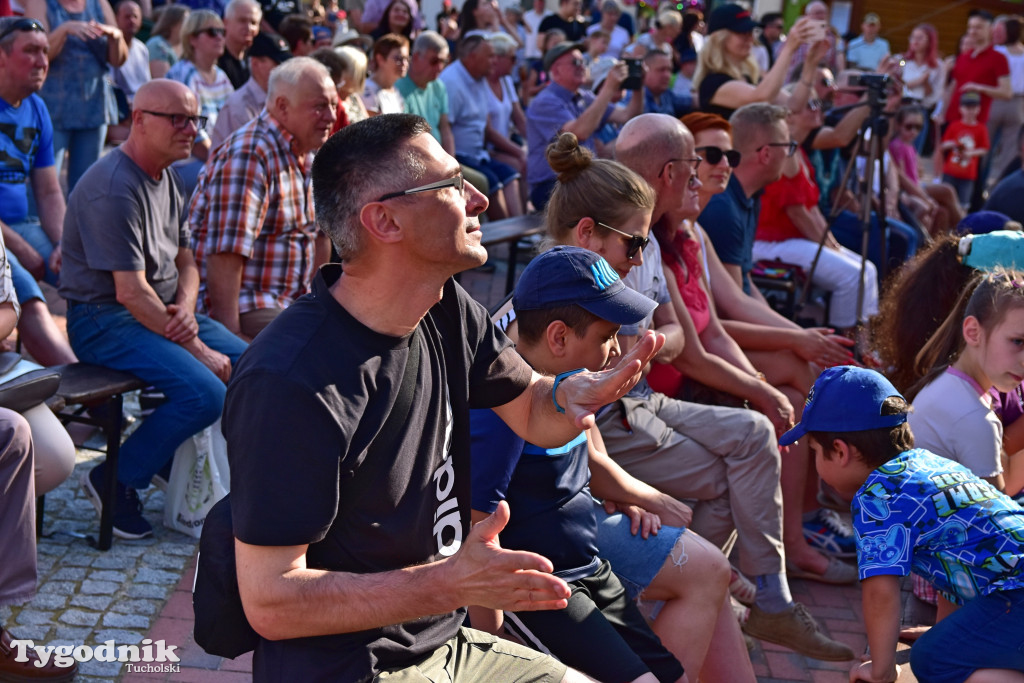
(877, 82)
(635, 78)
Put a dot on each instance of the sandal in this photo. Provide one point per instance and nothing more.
(741, 588)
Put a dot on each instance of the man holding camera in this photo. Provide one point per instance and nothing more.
(562, 106)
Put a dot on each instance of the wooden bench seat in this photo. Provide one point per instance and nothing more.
(94, 395)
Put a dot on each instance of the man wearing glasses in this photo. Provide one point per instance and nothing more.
(761, 136)
(563, 107)
(723, 459)
(131, 284)
(348, 432)
(251, 216)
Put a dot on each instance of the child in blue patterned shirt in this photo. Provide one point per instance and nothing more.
(914, 510)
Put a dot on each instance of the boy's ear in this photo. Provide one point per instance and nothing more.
(555, 337)
(843, 452)
(972, 331)
(584, 232)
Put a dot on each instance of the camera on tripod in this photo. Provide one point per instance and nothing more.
(874, 82)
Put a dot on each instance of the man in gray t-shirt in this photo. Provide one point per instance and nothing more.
(131, 283)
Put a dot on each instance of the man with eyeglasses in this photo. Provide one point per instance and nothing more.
(131, 285)
(253, 229)
(563, 106)
(348, 433)
(761, 136)
(725, 461)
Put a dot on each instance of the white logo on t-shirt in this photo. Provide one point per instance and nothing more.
(447, 514)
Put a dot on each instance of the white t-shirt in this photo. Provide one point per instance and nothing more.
(1016, 69)
(532, 21)
(951, 419)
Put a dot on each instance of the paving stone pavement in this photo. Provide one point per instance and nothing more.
(142, 589)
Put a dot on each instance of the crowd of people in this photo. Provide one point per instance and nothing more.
(258, 207)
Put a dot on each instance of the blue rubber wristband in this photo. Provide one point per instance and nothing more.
(558, 380)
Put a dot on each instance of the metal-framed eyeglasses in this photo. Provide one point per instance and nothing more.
(458, 182)
(790, 146)
(694, 161)
(180, 121)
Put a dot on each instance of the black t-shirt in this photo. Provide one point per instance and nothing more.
(706, 92)
(575, 31)
(236, 69)
(306, 400)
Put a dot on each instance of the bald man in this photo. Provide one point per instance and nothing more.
(253, 232)
(131, 284)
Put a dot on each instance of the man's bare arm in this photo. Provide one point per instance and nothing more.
(223, 284)
(285, 599)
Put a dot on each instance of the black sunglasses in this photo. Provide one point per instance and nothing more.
(457, 182)
(713, 155)
(790, 146)
(179, 121)
(23, 25)
(214, 32)
(636, 242)
(913, 126)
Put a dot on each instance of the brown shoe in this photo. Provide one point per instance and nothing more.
(796, 629)
(12, 671)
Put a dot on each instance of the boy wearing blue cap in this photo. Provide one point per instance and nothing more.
(569, 305)
(915, 511)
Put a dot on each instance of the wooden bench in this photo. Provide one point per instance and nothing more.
(100, 391)
(511, 231)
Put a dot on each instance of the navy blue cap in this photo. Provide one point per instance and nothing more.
(731, 17)
(563, 276)
(846, 399)
(982, 222)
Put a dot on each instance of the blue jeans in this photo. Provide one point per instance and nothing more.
(634, 559)
(107, 334)
(25, 286)
(902, 240)
(985, 633)
(83, 147)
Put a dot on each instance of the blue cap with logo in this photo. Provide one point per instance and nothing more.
(563, 276)
(846, 399)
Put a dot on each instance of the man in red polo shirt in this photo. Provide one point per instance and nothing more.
(982, 70)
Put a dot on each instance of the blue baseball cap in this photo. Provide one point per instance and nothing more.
(563, 276)
(846, 399)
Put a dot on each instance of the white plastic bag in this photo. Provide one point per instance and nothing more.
(199, 478)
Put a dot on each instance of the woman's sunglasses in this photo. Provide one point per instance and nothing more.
(636, 242)
(713, 155)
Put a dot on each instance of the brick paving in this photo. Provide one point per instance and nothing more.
(142, 589)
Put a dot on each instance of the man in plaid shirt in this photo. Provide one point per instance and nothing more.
(251, 216)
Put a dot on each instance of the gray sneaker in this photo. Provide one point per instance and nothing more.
(796, 629)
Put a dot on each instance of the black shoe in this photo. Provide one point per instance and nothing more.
(128, 520)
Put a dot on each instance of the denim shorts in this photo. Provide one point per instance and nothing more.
(986, 633)
(634, 559)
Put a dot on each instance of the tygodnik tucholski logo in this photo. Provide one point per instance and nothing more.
(149, 657)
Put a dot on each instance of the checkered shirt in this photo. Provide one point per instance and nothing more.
(254, 198)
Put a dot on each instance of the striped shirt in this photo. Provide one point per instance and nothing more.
(254, 198)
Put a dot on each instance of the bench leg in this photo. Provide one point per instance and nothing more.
(112, 428)
(510, 276)
(40, 511)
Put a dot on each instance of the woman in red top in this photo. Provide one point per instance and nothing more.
(791, 226)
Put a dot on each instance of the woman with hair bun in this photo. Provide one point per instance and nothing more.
(696, 623)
